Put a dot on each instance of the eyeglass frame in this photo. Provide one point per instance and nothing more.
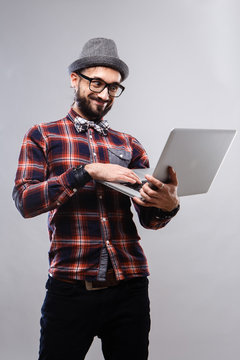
(106, 84)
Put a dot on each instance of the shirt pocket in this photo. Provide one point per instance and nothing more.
(119, 156)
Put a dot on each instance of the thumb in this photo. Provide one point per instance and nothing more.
(172, 176)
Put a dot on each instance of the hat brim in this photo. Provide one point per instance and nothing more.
(106, 61)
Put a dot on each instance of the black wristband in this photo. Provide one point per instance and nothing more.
(81, 175)
(167, 214)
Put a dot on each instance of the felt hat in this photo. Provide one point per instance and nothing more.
(100, 52)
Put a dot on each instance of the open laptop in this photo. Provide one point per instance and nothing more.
(195, 155)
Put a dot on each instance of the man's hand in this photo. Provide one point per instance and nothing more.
(161, 195)
(111, 172)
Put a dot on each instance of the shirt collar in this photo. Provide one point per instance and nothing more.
(82, 125)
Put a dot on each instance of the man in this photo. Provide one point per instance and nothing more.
(98, 272)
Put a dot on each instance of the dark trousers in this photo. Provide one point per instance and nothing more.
(72, 316)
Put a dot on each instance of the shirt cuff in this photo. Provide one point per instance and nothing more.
(165, 215)
(80, 176)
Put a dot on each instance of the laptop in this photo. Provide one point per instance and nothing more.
(195, 154)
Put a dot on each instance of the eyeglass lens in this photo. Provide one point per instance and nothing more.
(98, 86)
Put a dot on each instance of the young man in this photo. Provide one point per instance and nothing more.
(97, 283)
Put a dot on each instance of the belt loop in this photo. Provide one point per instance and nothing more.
(98, 285)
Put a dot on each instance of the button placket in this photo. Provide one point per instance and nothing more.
(104, 221)
(100, 196)
(92, 145)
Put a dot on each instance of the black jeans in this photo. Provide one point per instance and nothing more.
(72, 316)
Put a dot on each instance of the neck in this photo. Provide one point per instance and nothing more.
(76, 109)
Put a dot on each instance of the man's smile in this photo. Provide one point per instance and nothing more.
(99, 102)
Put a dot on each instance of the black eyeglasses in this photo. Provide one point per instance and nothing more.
(98, 85)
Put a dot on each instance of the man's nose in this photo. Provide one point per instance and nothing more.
(104, 95)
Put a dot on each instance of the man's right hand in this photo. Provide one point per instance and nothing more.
(111, 172)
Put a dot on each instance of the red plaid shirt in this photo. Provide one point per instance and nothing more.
(86, 221)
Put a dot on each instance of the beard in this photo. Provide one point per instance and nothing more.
(86, 109)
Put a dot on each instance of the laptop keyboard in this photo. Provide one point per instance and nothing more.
(135, 186)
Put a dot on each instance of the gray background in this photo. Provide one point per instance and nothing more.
(184, 72)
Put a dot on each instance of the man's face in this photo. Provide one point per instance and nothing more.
(93, 106)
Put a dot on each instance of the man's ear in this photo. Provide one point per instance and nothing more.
(74, 80)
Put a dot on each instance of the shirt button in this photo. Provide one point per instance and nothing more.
(121, 155)
(108, 243)
(90, 136)
(103, 219)
(74, 190)
(58, 203)
(100, 197)
(94, 154)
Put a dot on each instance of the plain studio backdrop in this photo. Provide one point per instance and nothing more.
(184, 61)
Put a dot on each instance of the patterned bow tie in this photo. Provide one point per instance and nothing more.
(82, 125)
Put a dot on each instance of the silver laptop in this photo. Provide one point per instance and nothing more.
(195, 155)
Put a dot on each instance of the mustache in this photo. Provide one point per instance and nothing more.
(94, 97)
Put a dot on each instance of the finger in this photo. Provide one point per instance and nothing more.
(129, 176)
(157, 184)
(148, 191)
(149, 196)
(133, 176)
(141, 202)
(172, 176)
(129, 172)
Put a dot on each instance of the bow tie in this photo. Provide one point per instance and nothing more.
(83, 125)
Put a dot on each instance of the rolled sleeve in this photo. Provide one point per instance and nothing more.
(34, 192)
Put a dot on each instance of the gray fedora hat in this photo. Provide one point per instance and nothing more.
(100, 52)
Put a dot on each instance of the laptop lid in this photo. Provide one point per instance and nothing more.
(196, 155)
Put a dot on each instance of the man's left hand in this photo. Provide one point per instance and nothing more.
(162, 195)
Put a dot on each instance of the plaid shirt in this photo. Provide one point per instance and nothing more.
(86, 222)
